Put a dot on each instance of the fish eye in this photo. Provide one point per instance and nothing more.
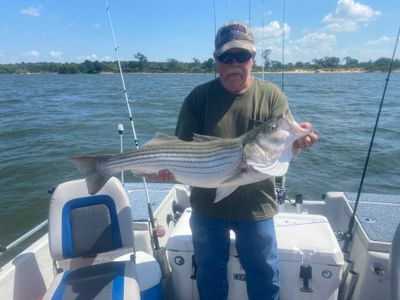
(272, 127)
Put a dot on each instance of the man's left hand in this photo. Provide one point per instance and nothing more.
(306, 141)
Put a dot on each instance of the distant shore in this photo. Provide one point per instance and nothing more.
(308, 71)
(295, 71)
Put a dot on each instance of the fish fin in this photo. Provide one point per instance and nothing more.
(161, 138)
(96, 178)
(230, 180)
(223, 192)
(203, 138)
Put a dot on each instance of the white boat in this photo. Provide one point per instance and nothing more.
(309, 234)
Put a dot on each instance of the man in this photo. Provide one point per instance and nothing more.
(228, 107)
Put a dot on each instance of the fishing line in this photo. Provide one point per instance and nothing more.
(348, 235)
(149, 208)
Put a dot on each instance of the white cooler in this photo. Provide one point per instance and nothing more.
(310, 258)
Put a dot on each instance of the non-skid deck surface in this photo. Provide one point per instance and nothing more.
(379, 215)
(137, 195)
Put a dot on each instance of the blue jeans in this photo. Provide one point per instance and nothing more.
(258, 254)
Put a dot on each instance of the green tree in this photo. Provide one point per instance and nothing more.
(208, 65)
(142, 61)
(265, 55)
(330, 62)
(173, 65)
(299, 65)
(350, 62)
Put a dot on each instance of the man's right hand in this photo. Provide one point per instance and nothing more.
(162, 176)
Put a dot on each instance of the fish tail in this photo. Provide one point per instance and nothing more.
(96, 177)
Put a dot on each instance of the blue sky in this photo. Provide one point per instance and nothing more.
(72, 31)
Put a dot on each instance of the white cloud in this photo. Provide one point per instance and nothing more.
(271, 31)
(348, 15)
(270, 36)
(55, 54)
(96, 26)
(381, 41)
(310, 46)
(32, 53)
(33, 11)
(317, 38)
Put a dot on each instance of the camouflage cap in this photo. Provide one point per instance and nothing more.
(234, 35)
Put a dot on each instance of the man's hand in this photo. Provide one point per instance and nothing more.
(306, 141)
(162, 176)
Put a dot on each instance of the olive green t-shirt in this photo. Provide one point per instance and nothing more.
(211, 110)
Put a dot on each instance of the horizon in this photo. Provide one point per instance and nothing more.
(75, 31)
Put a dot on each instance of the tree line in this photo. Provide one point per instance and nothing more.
(140, 64)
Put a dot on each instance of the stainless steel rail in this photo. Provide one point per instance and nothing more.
(23, 237)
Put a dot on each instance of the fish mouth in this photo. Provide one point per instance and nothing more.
(289, 124)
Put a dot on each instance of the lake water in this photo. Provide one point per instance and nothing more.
(44, 119)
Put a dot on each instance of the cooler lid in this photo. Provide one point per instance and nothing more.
(307, 238)
(301, 238)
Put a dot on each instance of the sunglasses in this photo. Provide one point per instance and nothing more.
(240, 57)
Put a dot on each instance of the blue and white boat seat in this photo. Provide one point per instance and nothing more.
(83, 225)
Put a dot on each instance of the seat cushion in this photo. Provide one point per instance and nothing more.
(114, 280)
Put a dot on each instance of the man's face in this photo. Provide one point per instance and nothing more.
(234, 67)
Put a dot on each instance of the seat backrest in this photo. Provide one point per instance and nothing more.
(82, 225)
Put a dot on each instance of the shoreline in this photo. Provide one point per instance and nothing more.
(295, 71)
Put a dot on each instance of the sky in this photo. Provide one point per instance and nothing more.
(73, 31)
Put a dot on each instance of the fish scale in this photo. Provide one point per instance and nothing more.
(203, 158)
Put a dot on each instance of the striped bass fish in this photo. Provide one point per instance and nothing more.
(208, 162)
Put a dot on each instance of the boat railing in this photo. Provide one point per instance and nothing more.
(22, 238)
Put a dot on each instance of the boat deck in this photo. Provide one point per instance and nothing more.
(377, 214)
(157, 193)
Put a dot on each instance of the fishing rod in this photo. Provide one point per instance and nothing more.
(249, 13)
(149, 208)
(348, 235)
(283, 45)
(262, 43)
(215, 33)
